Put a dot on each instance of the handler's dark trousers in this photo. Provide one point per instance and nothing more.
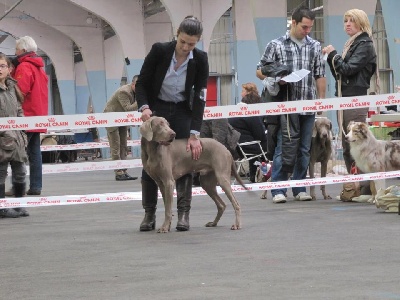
(179, 118)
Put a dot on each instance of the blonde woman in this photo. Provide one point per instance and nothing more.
(353, 69)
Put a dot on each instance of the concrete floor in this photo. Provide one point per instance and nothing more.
(324, 249)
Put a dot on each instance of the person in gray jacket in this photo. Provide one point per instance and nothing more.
(124, 99)
(13, 143)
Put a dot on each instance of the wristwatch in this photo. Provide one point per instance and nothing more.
(196, 136)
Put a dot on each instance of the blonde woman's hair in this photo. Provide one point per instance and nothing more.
(250, 88)
(360, 18)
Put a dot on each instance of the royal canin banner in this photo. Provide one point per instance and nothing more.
(61, 122)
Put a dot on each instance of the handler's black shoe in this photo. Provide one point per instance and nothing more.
(149, 222)
(121, 177)
(129, 177)
(31, 192)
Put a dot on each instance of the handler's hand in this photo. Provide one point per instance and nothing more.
(146, 114)
(194, 145)
(328, 49)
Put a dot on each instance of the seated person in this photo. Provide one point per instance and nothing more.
(251, 129)
(249, 88)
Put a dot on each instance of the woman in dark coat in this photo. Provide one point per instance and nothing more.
(173, 84)
(354, 67)
(353, 70)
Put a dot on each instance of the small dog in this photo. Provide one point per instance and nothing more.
(372, 155)
(321, 150)
(166, 159)
(261, 177)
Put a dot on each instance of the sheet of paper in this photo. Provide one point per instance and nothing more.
(296, 75)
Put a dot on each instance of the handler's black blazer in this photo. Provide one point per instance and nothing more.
(155, 68)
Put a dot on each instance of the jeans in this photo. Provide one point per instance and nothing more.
(302, 159)
(35, 161)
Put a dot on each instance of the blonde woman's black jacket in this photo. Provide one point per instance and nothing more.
(356, 68)
(155, 68)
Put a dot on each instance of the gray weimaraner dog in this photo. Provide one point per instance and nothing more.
(321, 150)
(166, 159)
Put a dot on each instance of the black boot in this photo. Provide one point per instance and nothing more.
(184, 195)
(6, 212)
(19, 191)
(149, 202)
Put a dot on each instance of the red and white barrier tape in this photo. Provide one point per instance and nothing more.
(84, 121)
(92, 166)
(61, 122)
(136, 196)
(82, 146)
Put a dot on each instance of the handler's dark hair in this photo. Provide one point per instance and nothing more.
(303, 12)
(191, 26)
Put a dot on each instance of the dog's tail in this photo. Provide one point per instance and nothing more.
(236, 175)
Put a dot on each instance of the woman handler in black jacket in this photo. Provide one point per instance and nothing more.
(354, 68)
(172, 84)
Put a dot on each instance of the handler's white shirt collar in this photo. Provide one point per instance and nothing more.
(173, 86)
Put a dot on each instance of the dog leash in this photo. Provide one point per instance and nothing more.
(339, 91)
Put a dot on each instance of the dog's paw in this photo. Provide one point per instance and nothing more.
(211, 224)
(163, 230)
(263, 196)
(235, 227)
(327, 197)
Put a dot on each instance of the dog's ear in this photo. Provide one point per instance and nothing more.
(314, 130)
(351, 123)
(364, 129)
(146, 131)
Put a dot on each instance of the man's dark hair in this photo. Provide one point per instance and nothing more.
(191, 26)
(134, 78)
(303, 12)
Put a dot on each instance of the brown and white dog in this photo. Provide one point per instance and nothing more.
(321, 150)
(166, 159)
(372, 155)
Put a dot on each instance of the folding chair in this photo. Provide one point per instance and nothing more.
(246, 157)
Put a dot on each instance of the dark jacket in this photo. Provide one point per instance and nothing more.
(154, 69)
(357, 68)
(251, 129)
(221, 131)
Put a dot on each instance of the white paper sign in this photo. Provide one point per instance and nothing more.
(296, 76)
